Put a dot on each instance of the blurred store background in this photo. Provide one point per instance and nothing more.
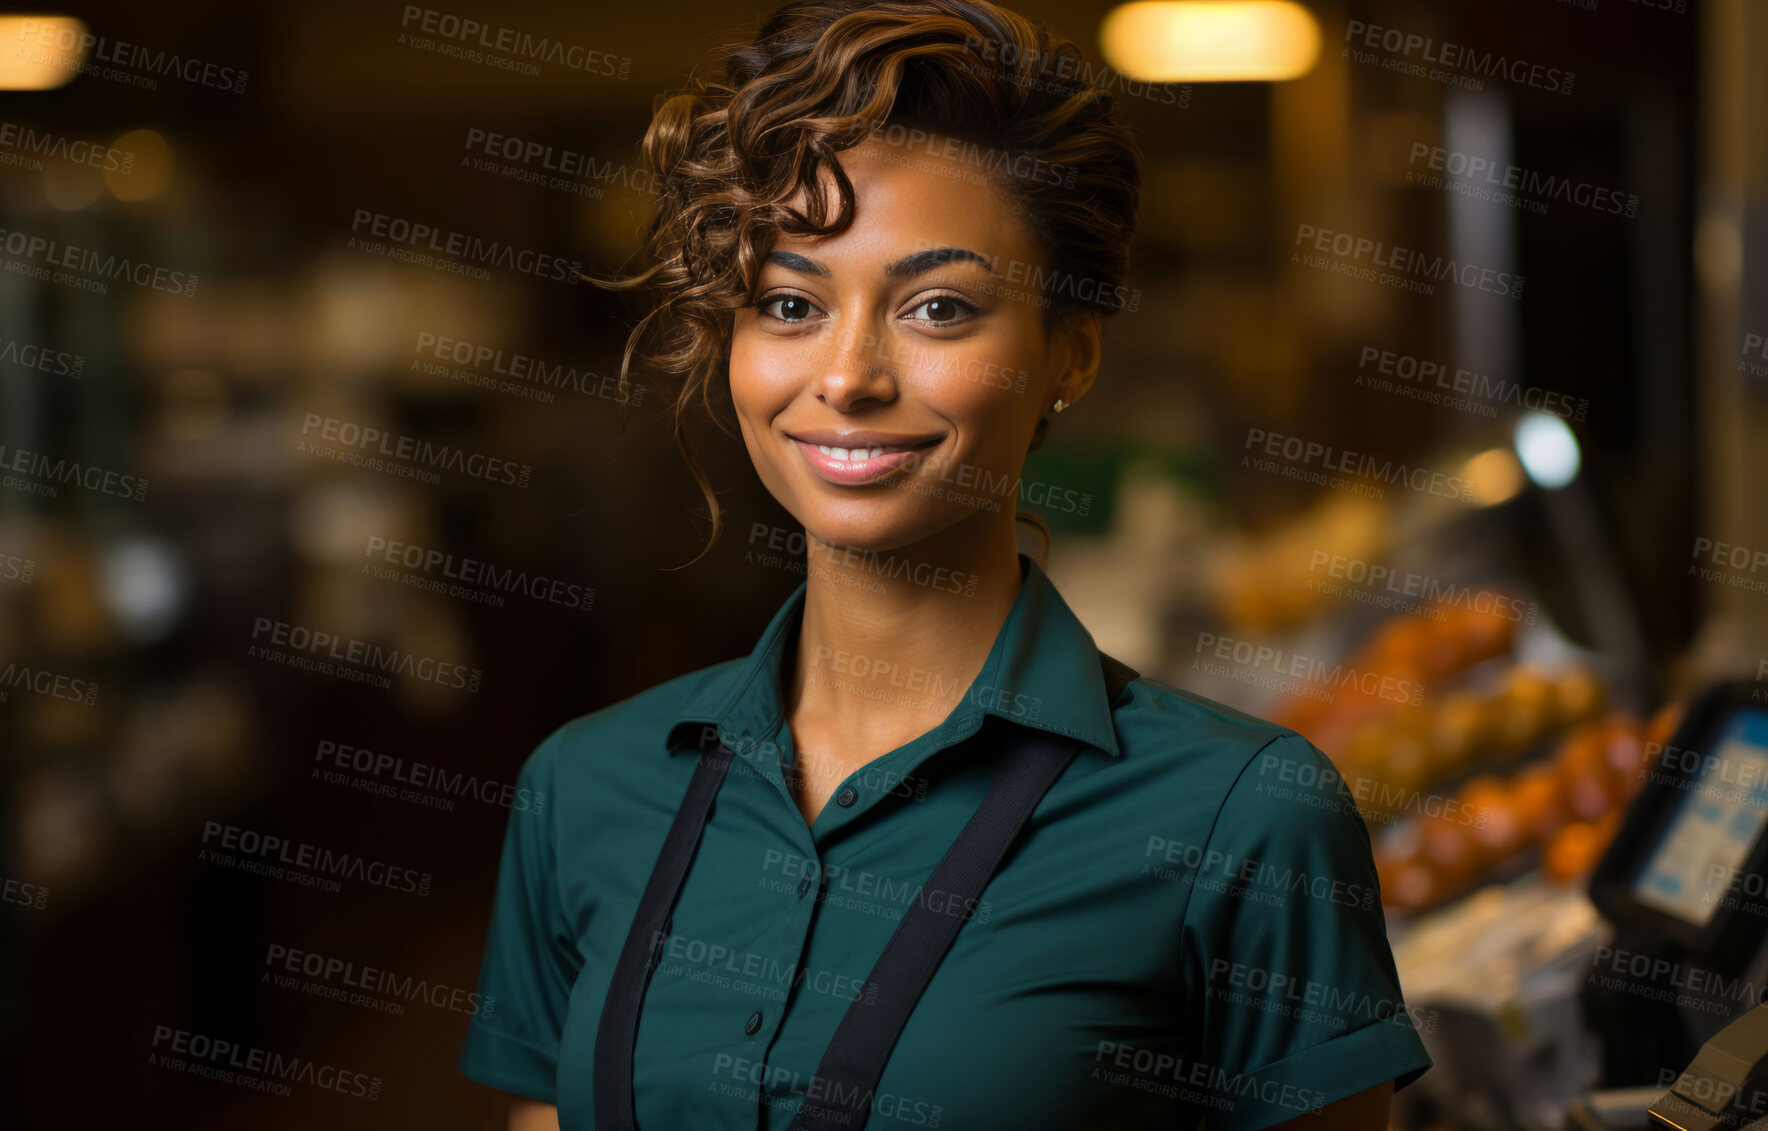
(1482, 536)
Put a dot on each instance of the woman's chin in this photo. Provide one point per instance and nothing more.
(840, 542)
(883, 530)
(859, 535)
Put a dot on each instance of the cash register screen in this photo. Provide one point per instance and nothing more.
(1713, 824)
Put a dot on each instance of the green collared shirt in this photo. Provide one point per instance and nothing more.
(1188, 927)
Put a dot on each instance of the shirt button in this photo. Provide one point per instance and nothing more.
(803, 887)
(847, 796)
(754, 1024)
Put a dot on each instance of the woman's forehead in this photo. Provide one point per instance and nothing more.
(910, 202)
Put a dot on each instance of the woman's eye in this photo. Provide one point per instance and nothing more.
(794, 308)
(945, 310)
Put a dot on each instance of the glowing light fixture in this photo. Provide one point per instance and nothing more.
(150, 168)
(1547, 448)
(1211, 40)
(1493, 477)
(147, 585)
(41, 52)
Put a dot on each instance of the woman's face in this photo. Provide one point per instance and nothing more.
(887, 380)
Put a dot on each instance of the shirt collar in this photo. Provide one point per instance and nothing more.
(1042, 671)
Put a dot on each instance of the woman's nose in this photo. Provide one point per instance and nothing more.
(856, 367)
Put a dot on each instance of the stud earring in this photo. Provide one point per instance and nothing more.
(1059, 405)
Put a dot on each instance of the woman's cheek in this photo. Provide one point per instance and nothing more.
(985, 389)
(762, 375)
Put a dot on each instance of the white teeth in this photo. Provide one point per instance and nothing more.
(850, 453)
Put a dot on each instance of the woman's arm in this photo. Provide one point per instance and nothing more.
(1365, 1111)
(532, 1115)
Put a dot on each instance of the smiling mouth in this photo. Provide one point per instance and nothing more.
(859, 454)
(857, 465)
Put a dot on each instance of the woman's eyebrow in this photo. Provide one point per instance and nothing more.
(923, 261)
(907, 267)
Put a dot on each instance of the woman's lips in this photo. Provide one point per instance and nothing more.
(826, 462)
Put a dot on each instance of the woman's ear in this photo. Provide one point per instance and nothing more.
(1077, 347)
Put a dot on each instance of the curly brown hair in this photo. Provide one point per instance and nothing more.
(822, 76)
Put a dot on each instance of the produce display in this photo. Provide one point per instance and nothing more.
(1567, 806)
(1424, 703)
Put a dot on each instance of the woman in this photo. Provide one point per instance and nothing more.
(924, 857)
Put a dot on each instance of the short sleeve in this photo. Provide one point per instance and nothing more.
(1290, 976)
(530, 958)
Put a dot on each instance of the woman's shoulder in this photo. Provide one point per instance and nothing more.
(1200, 748)
(1164, 722)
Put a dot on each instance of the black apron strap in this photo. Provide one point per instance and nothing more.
(1118, 675)
(840, 1097)
(618, 1031)
(855, 1059)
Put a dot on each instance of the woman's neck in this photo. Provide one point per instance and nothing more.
(890, 642)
